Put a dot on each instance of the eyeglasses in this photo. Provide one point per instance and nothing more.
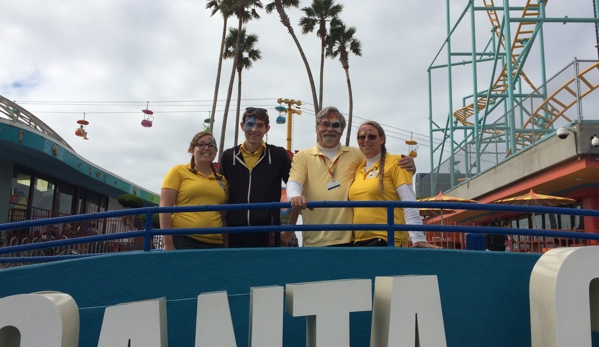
(202, 145)
(371, 137)
(254, 110)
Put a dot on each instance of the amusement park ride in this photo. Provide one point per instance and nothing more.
(472, 131)
(81, 131)
(146, 122)
(148, 117)
(289, 111)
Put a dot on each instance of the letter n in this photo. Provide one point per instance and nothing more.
(327, 306)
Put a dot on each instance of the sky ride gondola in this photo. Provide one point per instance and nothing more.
(282, 111)
(148, 120)
(81, 131)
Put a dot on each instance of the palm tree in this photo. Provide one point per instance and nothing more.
(341, 43)
(246, 55)
(319, 13)
(245, 10)
(225, 7)
(280, 6)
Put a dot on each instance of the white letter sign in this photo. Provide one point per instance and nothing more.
(266, 316)
(327, 306)
(141, 323)
(404, 306)
(214, 327)
(564, 299)
(44, 319)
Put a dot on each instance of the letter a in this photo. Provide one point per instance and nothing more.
(141, 322)
(214, 327)
(407, 312)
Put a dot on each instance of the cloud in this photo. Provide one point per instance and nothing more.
(108, 58)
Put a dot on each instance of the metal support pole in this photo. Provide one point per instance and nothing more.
(289, 122)
(474, 90)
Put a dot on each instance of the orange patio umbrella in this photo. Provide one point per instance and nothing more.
(446, 198)
(441, 198)
(534, 199)
(433, 212)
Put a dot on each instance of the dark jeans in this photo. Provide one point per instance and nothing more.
(252, 240)
(378, 242)
(340, 245)
(186, 242)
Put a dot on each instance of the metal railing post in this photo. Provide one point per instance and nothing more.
(147, 234)
(390, 223)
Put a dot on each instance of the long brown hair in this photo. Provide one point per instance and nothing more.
(192, 162)
(381, 132)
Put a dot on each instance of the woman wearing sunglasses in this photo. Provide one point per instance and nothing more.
(379, 178)
(192, 184)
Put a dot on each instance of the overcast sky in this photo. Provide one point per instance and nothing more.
(108, 58)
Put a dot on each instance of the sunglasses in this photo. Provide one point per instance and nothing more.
(251, 110)
(371, 137)
(334, 125)
(202, 145)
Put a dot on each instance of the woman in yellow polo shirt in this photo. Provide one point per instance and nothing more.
(380, 178)
(192, 184)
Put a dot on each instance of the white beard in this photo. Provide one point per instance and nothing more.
(330, 140)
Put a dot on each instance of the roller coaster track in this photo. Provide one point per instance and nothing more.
(551, 109)
(523, 35)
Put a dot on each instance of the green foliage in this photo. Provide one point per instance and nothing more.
(247, 51)
(155, 220)
(130, 200)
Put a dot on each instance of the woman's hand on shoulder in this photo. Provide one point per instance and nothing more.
(407, 163)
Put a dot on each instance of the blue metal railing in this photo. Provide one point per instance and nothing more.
(148, 233)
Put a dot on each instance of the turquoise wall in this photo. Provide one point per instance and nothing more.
(484, 295)
(34, 147)
(6, 169)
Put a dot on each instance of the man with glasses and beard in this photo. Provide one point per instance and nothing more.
(325, 172)
(254, 171)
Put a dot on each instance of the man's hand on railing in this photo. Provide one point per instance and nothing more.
(298, 202)
(286, 237)
(423, 244)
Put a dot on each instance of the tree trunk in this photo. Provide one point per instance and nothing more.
(322, 46)
(238, 105)
(287, 24)
(323, 35)
(220, 65)
(351, 107)
(230, 91)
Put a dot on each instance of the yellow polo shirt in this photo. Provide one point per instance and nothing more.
(311, 168)
(251, 159)
(366, 188)
(197, 189)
